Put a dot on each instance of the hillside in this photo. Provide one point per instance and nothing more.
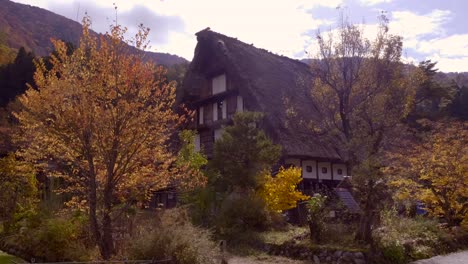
(33, 27)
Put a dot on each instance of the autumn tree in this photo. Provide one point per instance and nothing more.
(361, 92)
(101, 118)
(435, 171)
(18, 189)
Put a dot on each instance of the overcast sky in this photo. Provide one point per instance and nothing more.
(432, 29)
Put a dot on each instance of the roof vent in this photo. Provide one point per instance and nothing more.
(222, 46)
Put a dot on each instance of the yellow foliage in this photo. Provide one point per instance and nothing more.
(280, 192)
(436, 171)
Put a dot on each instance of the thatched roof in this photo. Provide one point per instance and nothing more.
(268, 80)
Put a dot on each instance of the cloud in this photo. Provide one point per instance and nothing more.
(275, 25)
(414, 27)
(451, 46)
(446, 64)
(284, 27)
(278, 26)
(450, 52)
(374, 2)
(320, 3)
(161, 25)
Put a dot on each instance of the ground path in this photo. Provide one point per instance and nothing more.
(263, 259)
(8, 259)
(454, 258)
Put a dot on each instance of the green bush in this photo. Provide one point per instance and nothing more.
(240, 215)
(174, 237)
(394, 253)
(49, 239)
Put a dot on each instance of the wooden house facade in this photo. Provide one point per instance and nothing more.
(227, 76)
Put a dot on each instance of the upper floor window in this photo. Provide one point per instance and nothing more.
(201, 115)
(218, 84)
(219, 110)
(240, 104)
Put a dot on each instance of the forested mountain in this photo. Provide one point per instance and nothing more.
(33, 27)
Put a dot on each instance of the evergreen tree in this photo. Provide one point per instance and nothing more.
(242, 153)
(15, 76)
(432, 97)
(459, 105)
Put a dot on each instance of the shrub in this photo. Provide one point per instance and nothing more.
(315, 215)
(49, 239)
(401, 238)
(176, 238)
(394, 252)
(242, 214)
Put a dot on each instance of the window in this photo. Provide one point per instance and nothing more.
(201, 115)
(240, 104)
(215, 112)
(219, 111)
(218, 84)
(309, 168)
(324, 170)
(220, 106)
(218, 133)
(197, 142)
(340, 172)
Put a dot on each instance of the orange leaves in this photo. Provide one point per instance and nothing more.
(102, 109)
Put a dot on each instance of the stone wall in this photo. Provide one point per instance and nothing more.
(316, 255)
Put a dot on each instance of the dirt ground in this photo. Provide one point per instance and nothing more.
(454, 258)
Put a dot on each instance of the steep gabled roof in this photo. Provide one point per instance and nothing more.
(279, 85)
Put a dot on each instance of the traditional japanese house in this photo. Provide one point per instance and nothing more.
(228, 76)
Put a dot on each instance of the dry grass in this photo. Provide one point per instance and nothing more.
(8, 259)
(279, 237)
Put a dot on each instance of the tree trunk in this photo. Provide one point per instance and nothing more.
(364, 232)
(93, 223)
(107, 243)
(315, 230)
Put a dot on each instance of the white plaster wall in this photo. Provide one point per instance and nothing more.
(336, 167)
(313, 173)
(327, 175)
(219, 84)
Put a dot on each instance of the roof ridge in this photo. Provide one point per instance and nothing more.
(208, 31)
